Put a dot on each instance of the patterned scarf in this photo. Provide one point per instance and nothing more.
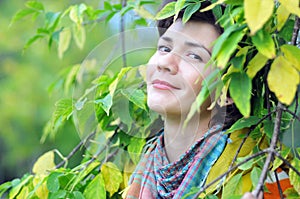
(155, 177)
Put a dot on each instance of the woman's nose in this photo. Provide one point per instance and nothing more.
(169, 63)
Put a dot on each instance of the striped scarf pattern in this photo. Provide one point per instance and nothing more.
(155, 177)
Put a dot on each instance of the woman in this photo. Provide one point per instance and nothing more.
(183, 155)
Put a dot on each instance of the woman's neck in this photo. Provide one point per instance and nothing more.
(179, 138)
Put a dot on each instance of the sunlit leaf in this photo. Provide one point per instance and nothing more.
(282, 16)
(189, 11)
(4, 187)
(292, 54)
(112, 177)
(247, 165)
(228, 47)
(41, 187)
(283, 80)
(257, 13)
(17, 185)
(135, 148)
(64, 41)
(277, 162)
(179, 6)
(243, 123)
(234, 186)
(240, 91)
(96, 188)
(256, 64)
(136, 96)
(294, 177)
(255, 175)
(44, 163)
(167, 11)
(264, 43)
(105, 103)
(292, 6)
(212, 6)
(35, 5)
(23, 193)
(79, 36)
(20, 14)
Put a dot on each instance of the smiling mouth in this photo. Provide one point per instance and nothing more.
(163, 85)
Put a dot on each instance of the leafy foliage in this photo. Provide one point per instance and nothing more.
(256, 54)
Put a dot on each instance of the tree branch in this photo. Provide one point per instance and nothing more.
(81, 143)
(201, 190)
(272, 151)
(295, 31)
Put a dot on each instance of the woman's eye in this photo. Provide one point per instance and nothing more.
(195, 56)
(164, 49)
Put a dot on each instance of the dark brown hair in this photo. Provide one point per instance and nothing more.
(226, 115)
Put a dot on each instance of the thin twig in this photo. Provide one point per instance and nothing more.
(247, 135)
(79, 145)
(295, 31)
(278, 185)
(287, 163)
(202, 189)
(292, 113)
(272, 147)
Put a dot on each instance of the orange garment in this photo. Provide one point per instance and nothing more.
(273, 192)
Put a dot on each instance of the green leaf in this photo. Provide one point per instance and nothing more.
(63, 110)
(105, 103)
(71, 76)
(228, 47)
(240, 90)
(51, 20)
(189, 11)
(256, 64)
(283, 80)
(179, 6)
(294, 177)
(78, 195)
(53, 182)
(64, 41)
(4, 187)
(79, 36)
(247, 165)
(76, 13)
(277, 162)
(112, 177)
(287, 31)
(32, 40)
(257, 13)
(255, 175)
(243, 123)
(136, 96)
(167, 11)
(234, 186)
(35, 5)
(20, 14)
(135, 148)
(59, 194)
(264, 43)
(17, 185)
(292, 54)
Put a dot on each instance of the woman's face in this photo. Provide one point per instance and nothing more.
(176, 70)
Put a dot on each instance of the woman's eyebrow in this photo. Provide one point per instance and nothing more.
(168, 39)
(192, 44)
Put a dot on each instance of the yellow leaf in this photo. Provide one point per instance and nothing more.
(292, 54)
(64, 41)
(24, 193)
(283, 80)
(282, 15)
(257, 13)
(41, 187)
(256, 64)
(212, 6)
(44, 163)
(112, 177)
(292, 6)
(294, 178)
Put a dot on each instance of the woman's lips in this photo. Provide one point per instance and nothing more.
(163, 85)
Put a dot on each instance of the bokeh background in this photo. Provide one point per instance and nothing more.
(25, 78)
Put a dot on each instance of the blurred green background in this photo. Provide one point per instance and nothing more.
(25, 103)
